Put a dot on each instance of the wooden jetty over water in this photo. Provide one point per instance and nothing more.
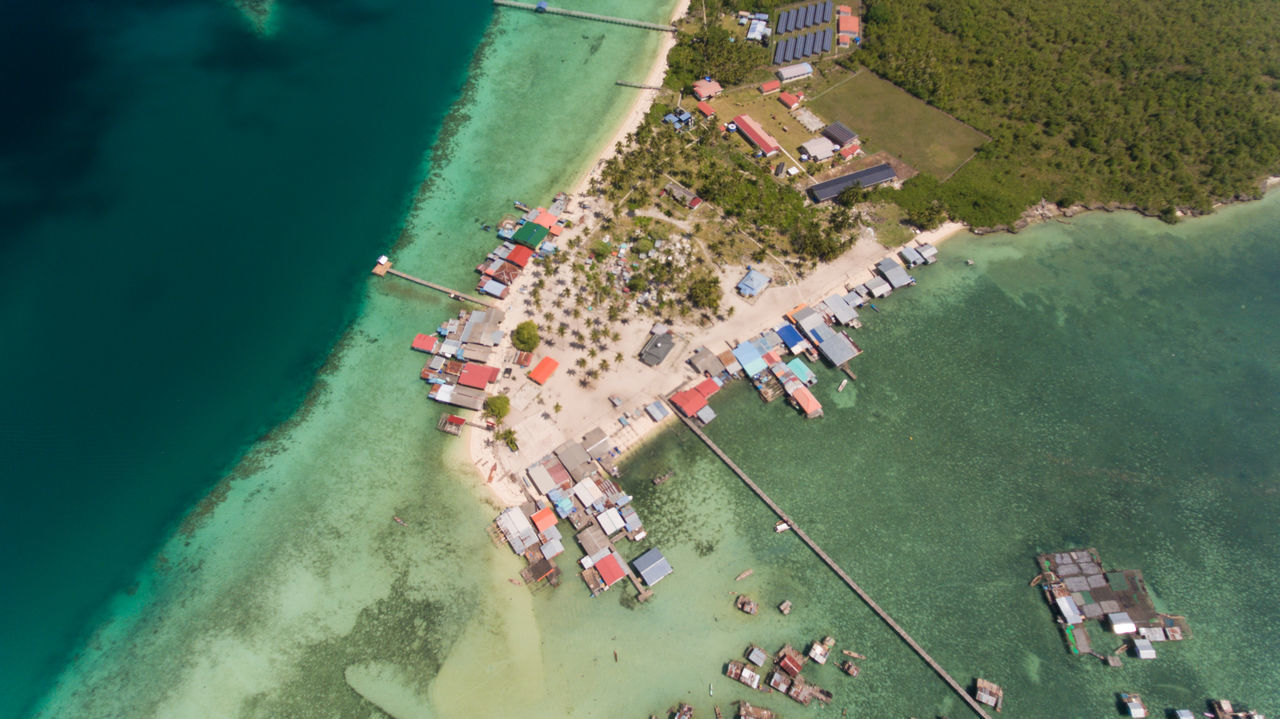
(544, 8)
(866, 598)
(382, 269)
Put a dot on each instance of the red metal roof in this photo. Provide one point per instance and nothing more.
(544, 519)
(544, 370)
(424, 343)
(706, 109)
(788, 100)
(844, 10)
(555, 230)
(771, 358)
(524, 359)
(707, 387)
(520, 255)
(850, 150)
(610, 571)
(756, 134)
(455, 420)
(771, 86)
(844, 40)
(789, 665)
(688, 402)
(477, 375)
(848, 23)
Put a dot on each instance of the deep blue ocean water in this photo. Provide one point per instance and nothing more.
(188, 211)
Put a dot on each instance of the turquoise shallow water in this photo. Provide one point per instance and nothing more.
(189, 211)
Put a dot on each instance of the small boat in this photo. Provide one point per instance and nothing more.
(710, 692)
(747, 605)
(785, 607)
(850, 668)
(855, 655)
(400, 521)
(877, 309)
(744, 575)
(843, 383)
(968, 262)
(781, 526)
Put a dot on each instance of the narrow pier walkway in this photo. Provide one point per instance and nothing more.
(384, 269)
(587, 15)
(884, 616)
(638, 85)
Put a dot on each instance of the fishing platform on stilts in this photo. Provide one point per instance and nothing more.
(866, 598)
(542, 7)
(384, 268)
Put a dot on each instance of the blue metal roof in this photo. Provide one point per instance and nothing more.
(652, 566)
(754, 283)
(748, 355)
(790, 335)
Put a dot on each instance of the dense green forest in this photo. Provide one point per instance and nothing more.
(1154, 104)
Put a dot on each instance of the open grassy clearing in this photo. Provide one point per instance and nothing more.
(891, 119)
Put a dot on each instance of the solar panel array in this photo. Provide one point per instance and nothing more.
(802, 46)
(804, 17)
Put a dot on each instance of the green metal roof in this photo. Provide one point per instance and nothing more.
(530, 234)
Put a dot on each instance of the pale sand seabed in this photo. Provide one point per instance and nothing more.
(297, 586)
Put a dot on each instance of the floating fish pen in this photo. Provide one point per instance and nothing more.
(1080, 591)
(747, 711)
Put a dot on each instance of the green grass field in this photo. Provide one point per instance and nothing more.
(890, 119)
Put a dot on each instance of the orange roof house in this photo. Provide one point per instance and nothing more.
(849, 24)
(850, 150)
(544, 218)
(844, 10)
(544, 370)
(807, 402)
(519, 255)
(844, 40)
(706, 110)
(544, 519)
(424, 343)
(771, 86)
(789, 101)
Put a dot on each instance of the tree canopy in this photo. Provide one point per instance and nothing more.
(705, 292)
(1140, 102)
(498, 407)
(712, 51)
(525, 338)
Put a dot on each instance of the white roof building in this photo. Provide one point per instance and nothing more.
(611, 521)
(1144, 649)
(587, 492)
(1121, 623)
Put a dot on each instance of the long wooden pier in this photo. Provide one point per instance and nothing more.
(383, 269)
(866, 598)
(586, 15)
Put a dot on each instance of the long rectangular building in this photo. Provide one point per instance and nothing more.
(870, 177)
(756, 135)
